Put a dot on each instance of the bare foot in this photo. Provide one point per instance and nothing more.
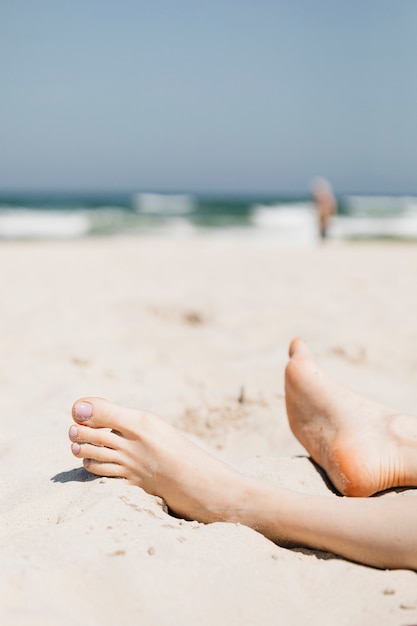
(364, 447)
(149, 453)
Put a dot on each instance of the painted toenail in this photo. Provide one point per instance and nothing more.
(75, 448)
(83, 410)
(73, 432)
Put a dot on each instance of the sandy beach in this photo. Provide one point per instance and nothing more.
(197, 330)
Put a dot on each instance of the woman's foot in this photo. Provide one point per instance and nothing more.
(364, 447)
(149, 453)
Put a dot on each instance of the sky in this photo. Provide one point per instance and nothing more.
(208, 95)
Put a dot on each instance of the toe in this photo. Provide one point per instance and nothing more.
(298, 347)
(88, 451)
(112, 470)
(95, 436)
(99, 413)
(85, 412)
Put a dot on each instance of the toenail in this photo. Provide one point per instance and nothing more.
(75, 448)
(83, 410)
(87, 462)
(73, 432)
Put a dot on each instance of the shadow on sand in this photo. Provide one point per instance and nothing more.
(79, 475)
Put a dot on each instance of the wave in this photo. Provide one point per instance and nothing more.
(376, 217)
(378, 206)
(288, 222)
(285, 219)
(403, 227)
(27, 224)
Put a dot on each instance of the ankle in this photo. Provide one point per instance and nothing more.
(403, 428)
(259, 507)
(244, 501)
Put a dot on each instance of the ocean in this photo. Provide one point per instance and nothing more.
(290, 218)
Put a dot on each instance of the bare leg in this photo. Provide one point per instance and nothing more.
(363, 446)
(146, 451)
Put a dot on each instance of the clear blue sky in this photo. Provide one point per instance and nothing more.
(214, 95)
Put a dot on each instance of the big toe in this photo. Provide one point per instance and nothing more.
(99, 413)
(299, 348)
(96, 413)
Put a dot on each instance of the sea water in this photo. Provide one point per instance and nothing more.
(290, 218)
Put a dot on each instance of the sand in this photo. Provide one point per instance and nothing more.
(197, 330)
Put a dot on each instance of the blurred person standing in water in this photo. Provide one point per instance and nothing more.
(326, 205)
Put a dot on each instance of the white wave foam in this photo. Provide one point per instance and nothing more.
(403, 227)
(371, 218)
(295, 223)
(26, 224)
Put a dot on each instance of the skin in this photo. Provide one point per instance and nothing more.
(325, 204)
(364, 448)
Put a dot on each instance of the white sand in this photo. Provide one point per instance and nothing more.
(181, 327)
